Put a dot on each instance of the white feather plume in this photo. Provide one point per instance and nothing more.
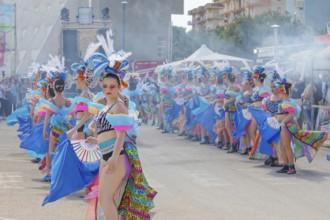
(92, 47)
(34, 67)
(56, 62)
(106, 42)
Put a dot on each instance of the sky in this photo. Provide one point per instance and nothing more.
(182, 20)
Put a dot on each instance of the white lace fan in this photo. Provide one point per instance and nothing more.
(87, 153)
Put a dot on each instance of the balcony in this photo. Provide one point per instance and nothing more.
(299, 4)
(96, 24)
(214, 17)
(263, 3)
(214, 6)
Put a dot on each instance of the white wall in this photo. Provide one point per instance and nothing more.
(38, 30)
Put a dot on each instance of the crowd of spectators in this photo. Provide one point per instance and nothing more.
(12, 92)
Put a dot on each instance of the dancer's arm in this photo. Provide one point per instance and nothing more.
(46, 124)
(287, 118)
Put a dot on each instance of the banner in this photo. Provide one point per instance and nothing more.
(7, 23)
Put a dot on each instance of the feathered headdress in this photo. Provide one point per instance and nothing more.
(55, 69)
(42, 85)
(116, 64)
(214, 70)
(83, 70)
(167, 70)
(227, 69)
(275, 76)
(200, 71)
(257, 72)
(247, 75)
(106, 43)
(280, 84)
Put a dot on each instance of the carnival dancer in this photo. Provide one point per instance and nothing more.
(35, 141)
(230, 107)
(120, 167)
(305, 143)
(205, 96)
(260, 92)
(57, 115)
(220, 129)
(244, 117)
(271, 105)
(84, 81)
(188, 106)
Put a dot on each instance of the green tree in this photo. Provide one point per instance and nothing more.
(248, 33)
(241, 37)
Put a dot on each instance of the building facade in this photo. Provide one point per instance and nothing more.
(65, 27)
(207, 17)
(227, 11)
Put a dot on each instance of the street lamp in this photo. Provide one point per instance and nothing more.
(275, 28)
(124, 3)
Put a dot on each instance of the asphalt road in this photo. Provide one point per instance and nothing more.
(194, 182)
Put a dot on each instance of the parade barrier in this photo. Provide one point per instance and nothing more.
(323, 121)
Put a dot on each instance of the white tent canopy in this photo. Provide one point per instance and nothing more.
(204, 54)
(199, 54)
(322, 58)
(300, 56)
(217, 57)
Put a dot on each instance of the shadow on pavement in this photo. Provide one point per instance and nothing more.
(308, 175)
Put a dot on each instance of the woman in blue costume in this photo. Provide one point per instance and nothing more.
(83, 81)
(205, 98)
(188, 97)
(202, 92)
(57, 110)
(244, 117)
(120, 168)
(260, 92)
(35, 141)
(232, 91)
(154, 102)
(220, 111)
(270, 105)
(305, 143)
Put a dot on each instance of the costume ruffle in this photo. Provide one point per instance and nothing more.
(121, 122)
(137, 199)
(306, 143)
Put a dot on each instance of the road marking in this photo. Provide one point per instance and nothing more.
(3, 218)
(11, 180)
(207, 179)
(15, 160)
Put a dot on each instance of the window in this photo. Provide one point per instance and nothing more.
(161, 46)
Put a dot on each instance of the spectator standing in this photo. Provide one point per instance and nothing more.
(4, 99)
(296, 90)
(22, 91)
(2, 102)
(14, 91)
(324, 116)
